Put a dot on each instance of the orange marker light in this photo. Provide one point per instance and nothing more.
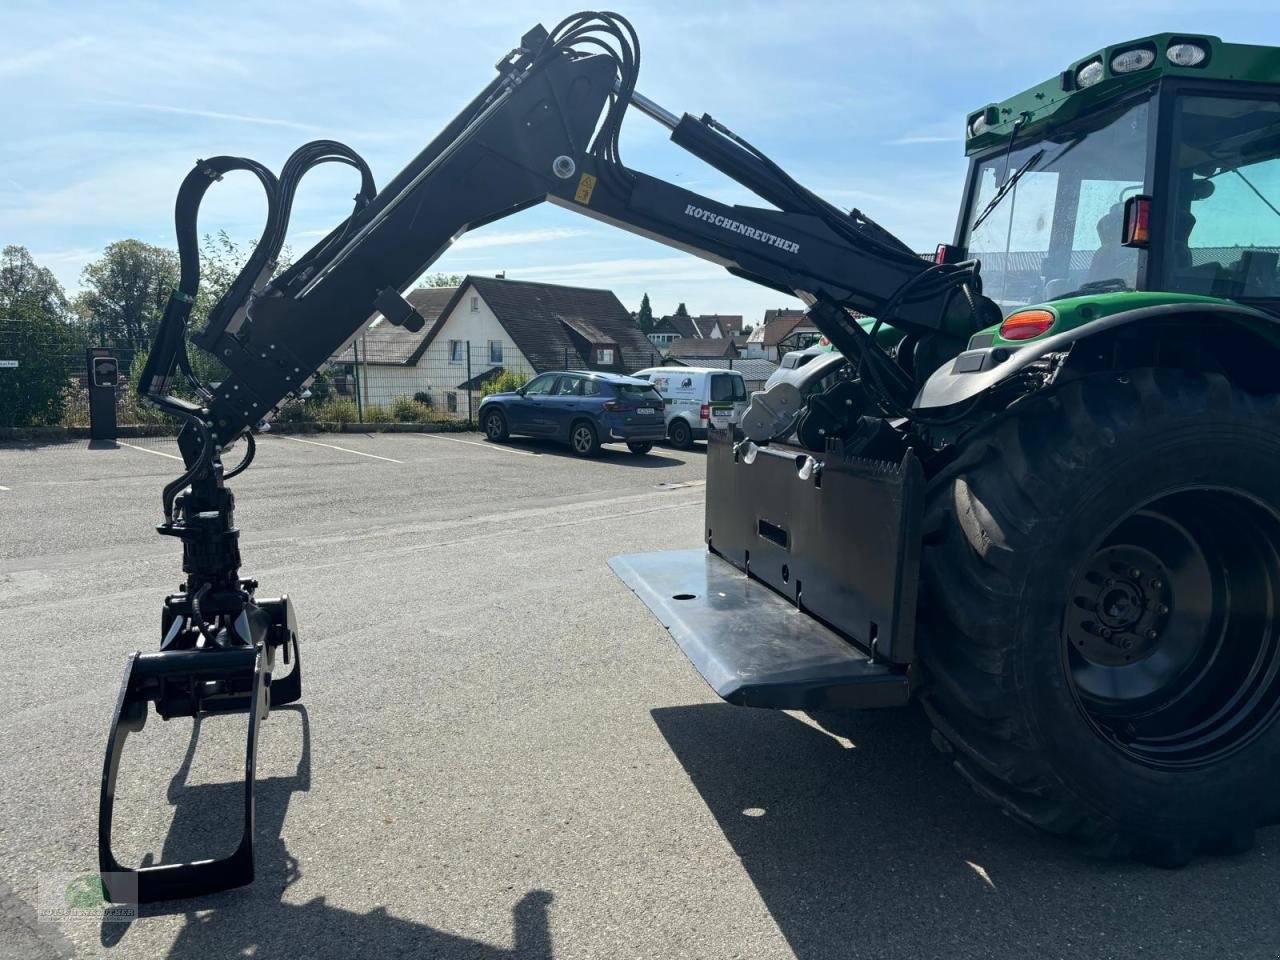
(1026, 324)
(1137, 221)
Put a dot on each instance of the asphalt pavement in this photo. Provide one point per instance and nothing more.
(499, 752)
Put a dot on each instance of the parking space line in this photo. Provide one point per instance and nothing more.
(6, 489)
(473, 443)
(155, 453)
(358, 453)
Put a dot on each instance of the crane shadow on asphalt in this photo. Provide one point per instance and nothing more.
(863, 842)
(255, 921)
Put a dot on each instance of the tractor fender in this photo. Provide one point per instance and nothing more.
(974, 372)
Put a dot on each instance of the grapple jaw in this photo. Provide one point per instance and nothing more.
(186, 680)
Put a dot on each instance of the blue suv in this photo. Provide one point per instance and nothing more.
(581, 408)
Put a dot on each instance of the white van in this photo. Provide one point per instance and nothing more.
(690, 393)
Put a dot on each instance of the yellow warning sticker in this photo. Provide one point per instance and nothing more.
(585, 186)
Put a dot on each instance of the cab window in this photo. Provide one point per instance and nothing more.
(1226, 197)
(569, 387)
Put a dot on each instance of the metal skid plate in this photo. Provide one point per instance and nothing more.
(753, 647)
(839, 536)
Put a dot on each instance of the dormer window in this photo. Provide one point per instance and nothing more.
(604, 356)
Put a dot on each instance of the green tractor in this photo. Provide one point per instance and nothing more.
(1067, 542)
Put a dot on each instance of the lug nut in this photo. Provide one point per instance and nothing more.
(1156, 585)
(1106, 633)
(1135, 572)
(1163, 608)
(1151, 634)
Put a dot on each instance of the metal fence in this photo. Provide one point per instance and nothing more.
(365, 384)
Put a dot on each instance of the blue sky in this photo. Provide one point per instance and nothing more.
(105, 106)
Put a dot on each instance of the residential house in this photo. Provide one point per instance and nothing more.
(729, 324)
(385, 359)
(781, 331)
(715, 326)
(664, 332)
(488, 325)
(711, 347)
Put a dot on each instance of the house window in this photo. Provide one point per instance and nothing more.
(475, 303)
(457, 353)
(604, 355)
(495, 351)
(451, 402)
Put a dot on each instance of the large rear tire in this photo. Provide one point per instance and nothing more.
(1100, 619)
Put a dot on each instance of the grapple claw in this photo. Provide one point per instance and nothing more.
(193, 682)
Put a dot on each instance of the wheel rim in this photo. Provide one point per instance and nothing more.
(1170, 628)
(582, 439)
(493, 425)
(679, 434)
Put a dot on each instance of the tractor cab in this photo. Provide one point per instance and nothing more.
(1152, 165)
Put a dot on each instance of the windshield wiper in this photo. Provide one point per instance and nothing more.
(1009, 184)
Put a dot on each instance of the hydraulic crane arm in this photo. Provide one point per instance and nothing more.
(528, 137)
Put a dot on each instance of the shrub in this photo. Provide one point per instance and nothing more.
(424, 398)
(376, 413)
(295, 412)
(406, 410)
(504, 382)
(336, 410)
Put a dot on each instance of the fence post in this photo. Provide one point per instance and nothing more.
(355, 353)
(469, 423)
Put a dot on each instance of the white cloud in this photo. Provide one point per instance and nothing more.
(511, 238)
(42, 55)
(206, 114)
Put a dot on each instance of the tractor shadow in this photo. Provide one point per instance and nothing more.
(863, 842)
(253, 920)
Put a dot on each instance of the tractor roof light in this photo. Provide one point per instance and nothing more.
(1186, 54)
(1090, 73)
(1026, 324)
(982, 121)
(1130, 61)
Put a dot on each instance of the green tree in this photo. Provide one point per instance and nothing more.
(24, 280)
(47, 350)
(746, 329)
(644, 319)
(126, 291)
(682, 310)
(441, 280)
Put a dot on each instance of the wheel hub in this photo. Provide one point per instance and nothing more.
(1120, 605)
(1170, 628)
